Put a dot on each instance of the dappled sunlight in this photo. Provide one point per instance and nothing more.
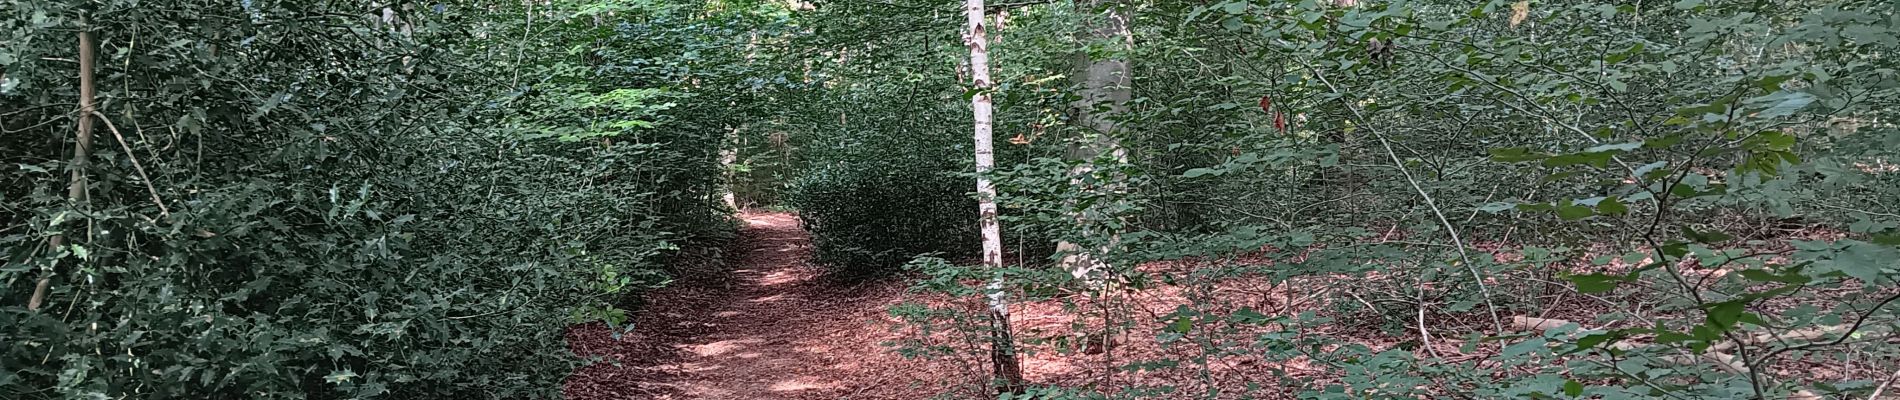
(769, 299)
(722, 347)
(777, 331)
(803, 383)
(782, 277)
(697, 367)
(771, 221)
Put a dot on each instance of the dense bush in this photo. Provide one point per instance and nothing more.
(879, 139)
(1701, 178)
(290, 200)
(867, 219)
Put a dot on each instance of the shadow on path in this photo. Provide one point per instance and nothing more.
(773, 329)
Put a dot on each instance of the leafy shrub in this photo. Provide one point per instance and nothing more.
(1429, 170)
(869, 219)
(289, 200)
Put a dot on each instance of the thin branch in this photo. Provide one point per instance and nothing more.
(160, 202)
(1424, 334)
(1431, 203)
(1883, 386)
(1858, 323)
(1019, 4)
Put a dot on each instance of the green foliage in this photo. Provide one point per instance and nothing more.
(1727, 163)
(867, 219)
(296, 200)
(291, 200)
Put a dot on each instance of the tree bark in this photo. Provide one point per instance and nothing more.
(1106, 89)
(728, 157)
(82, 149)
(1003, 361)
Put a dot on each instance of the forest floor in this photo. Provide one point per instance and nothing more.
(764, 322)
(767, 323)
(774, 327)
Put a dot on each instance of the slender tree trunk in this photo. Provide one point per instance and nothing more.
(521, 49)
(82, 149)
(729, 156)
(1003, 360)
(1105, 91)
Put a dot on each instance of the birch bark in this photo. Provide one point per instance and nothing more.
(1008, 371)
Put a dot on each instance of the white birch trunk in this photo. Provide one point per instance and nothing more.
(728, 156)
(1002, 345)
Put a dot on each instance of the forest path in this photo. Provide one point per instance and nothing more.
(775, 328)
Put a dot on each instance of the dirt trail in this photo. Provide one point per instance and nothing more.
(772, 329)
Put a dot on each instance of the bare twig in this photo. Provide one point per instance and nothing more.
(160, 202)
(1424, 335)
(1858, 323)
(1883, 386)
(1452, 230)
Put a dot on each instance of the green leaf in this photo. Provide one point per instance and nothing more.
(1535, 207)
(80, 251)
(1235, 7)
(1573, 388)
(1864, 261)
(1886, 239)
(1595, 283)
(1232, 24)
(1532, 345)
(1724, 315)
(1615, 147)
(1669, 337)
(1645, 170)
(1610, 206)
(1705, 237)
(1590, 341)
(1461, 306)
(1246, 315)
(1772, 83)
(1181, 325)
(1771, 140)
(1597, 159)
(1779, 104)
(1574, 212)
(1663, 142)
(1792, 277)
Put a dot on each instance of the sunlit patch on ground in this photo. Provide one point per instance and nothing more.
(775, 331)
